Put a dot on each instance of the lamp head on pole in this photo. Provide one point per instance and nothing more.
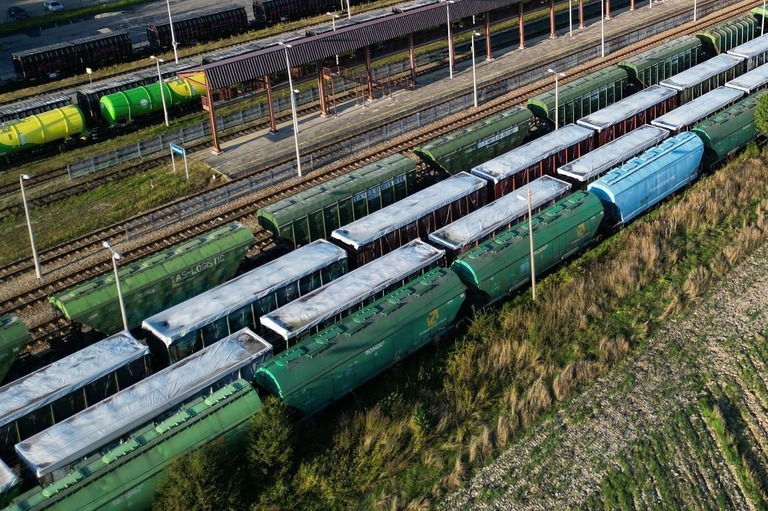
(106, 244)
(25, 176)
(555, 72)
(117, 256)
(281, 43)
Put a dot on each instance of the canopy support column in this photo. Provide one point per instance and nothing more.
(520, 25)
(581, 13)
(552, 32)
(607, 9)
(212, 117)
(272, 120)
(321, 89)
(412, 59)
(488, 54)
(368, 72)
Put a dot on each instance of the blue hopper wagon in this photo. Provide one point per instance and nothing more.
(647, 179)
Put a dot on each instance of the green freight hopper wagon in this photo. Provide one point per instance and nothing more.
(501, 265)
(581, 97)
(43, 128)
(123, 107)
(665, 60)
(728, 131)
(481, 141)
(159, 281)
(125, 477)
(727, 35)
(324, 368)
(316, 212)
(13, 336)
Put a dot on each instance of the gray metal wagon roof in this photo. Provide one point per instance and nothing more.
(613, 153)
(298, 316)
(521, 158)
(42, 387)
(407, 210)
(8, 478)
(129, 409)
(701, 72)
(751, 48)
(205, 308)
(697, 109)
(40, 103)
(626, 108)
(751, 81)
(503, 211)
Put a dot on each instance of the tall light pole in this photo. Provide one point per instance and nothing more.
(602, 28)
(159, 61)
(450, 36)
(333, 22)
(530, 237)
(115, 258)
(570, 19)
(762, 20)
(173, 36)
(557, 105)
(293, 106)
(474, 73)
(39, 273)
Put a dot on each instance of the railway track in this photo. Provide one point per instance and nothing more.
(86, 250)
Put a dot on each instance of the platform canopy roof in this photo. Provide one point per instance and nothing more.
(265, 61)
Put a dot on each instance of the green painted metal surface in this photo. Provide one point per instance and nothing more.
(159, 281)
(314, 213)
(729, 34)
(581, 97)
(479, 142)
(322, 369)
(124, 107)
(659, 63)
(501, 265)
(13, 336)
(728, 131)
(125, 477)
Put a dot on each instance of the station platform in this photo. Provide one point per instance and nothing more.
(260, 148)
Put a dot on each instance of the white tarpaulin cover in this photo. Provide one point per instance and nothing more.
(408, 210)
(7, 478)
(295, 318)
(751, 81)
(66, 375)
(613, 153)
(751, 48)
(701, 72)
(521, 158)
(697, 109)
(129, 409)
(626, 108)
(205, 308)
(503, 211)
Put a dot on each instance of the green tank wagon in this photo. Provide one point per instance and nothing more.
(157, 282)
(125, 477)
(484, 140)
(13, 336)
(665, 60)
(727, 35)
(499, 266)
(316, 212)
(123, 107)
(728, 131)
(581, 97)
(324, 368)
